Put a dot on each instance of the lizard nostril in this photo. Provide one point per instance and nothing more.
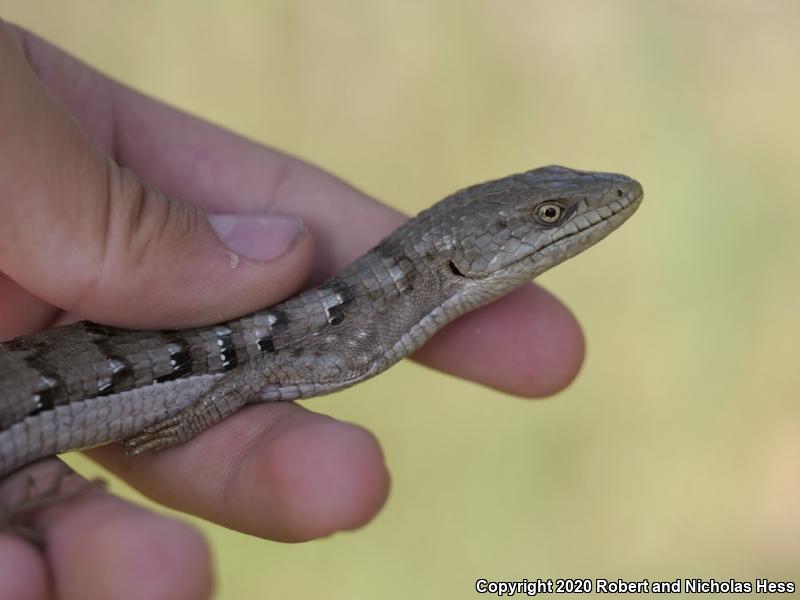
(620, 193)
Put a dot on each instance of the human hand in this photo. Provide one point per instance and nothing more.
(82, 238)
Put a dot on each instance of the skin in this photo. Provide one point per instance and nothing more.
(81, 238)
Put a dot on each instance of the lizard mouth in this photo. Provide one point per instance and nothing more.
(586, 220)
(587, 225)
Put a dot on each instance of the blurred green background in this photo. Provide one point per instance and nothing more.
(676, 453)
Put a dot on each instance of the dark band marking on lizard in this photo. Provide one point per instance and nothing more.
(227, 351)
(180, 360)
(47, 383)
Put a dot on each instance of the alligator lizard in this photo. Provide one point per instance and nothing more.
(85, 384)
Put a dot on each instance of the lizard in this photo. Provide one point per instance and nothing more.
(86, 384)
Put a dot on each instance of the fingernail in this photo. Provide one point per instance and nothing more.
(257, 236)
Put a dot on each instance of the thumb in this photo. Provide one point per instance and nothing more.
(89, 236)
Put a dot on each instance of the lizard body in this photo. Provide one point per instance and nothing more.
(85, 384)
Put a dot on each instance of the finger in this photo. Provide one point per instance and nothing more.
(132, 553)
(86, 235)
(214, 168)
(547, 342)
(531, 342)
(275, 471)
(20, 311)
(23, 573)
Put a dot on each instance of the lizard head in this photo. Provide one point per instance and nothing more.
(515, 228)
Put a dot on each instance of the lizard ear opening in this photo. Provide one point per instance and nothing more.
(454, 268)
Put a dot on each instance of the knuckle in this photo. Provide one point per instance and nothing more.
(144, 224)
(139, 228)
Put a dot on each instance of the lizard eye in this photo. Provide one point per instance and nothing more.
(548, 212)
